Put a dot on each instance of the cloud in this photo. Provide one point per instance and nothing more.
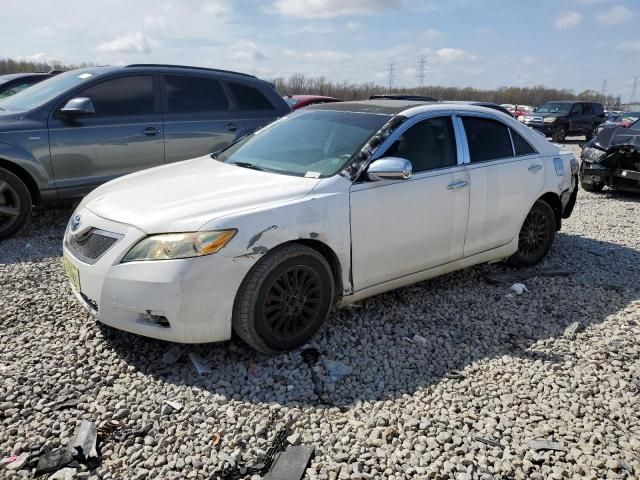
(354, 26)
(216, 7)
(451, 55)
(130, 43)
(568, 20)
(247, 51)
(617, 15)
(590, 2)
(630, 46)
(320, 56)
(331, 8)
(431, 34)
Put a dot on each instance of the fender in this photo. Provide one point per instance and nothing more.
(33, 166)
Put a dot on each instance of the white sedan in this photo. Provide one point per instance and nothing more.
(321, 208)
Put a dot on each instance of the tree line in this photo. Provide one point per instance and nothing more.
(300, 84)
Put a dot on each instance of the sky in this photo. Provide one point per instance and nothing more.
(575, 44)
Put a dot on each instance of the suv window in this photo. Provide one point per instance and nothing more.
(577, 109)
(428, 144)
(194, 94)
(121, 96)
(488, 139)
(521, 146)
(249, 98)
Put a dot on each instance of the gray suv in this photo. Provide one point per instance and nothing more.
(65, 136)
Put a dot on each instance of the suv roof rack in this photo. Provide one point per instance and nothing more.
(133, 65)
(419, 98)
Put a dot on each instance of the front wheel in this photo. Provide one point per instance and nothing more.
(15, 204)
(284, 300)
(536, 235)
(559, 134)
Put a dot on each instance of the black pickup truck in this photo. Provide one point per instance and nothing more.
(561, 119)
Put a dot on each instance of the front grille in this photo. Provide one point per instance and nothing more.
(91, 245)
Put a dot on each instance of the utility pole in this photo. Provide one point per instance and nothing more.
(391, 68)
(634, 91)
(422, 69)
(604, 91)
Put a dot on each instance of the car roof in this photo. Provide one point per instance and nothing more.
(381, 107)
(13, 76)
(311, 97)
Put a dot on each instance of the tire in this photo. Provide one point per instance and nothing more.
(15, 204)
(284, 299)
(559, 134)
(536, 235)
(591, 133)
(592, 187)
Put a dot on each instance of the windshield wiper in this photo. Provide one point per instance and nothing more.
(252, 166)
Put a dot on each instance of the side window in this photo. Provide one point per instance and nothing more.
(488, 139)
(194, 94)
(588, 108)
(576, 109)
(428, 144)
(249, 98)
(122, 96)
(521, 146)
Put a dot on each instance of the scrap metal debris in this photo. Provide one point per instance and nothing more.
(53, 460)
(291, 464)
(83, 444)
(311, 356)
(198, 362)
(487, 441)
(521, 275)
(540, 444)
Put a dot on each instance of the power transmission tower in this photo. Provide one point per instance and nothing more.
(634, 91)
(422, 69)
(391, 69)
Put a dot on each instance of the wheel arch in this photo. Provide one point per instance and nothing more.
(553, 200)
(25, 176)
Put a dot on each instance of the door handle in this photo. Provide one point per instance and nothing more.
(232, 127)
(151, 131)
(535, 168)
(455, 185)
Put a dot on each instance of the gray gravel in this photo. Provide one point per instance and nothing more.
(490, 387)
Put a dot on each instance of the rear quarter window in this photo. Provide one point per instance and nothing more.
(249, 98)
(194, 94)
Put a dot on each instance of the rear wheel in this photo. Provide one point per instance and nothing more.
(536, 235)
(15, 204)
(284, 300)
(560, 134)
(591, 133)
(592, 187)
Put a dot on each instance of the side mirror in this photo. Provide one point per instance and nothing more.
(390, 168)
(78, 106)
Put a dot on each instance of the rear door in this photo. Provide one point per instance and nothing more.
(198, 118)
(506, 176)
(256, 109)
(577, 118)
(122, 136)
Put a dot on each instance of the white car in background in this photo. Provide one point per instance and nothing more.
(326, 206)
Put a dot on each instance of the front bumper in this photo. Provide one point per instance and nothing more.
(185, 300)
(546, 128)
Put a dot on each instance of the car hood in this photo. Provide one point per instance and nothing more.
(183, 196)
(617, 137)
(544, 115)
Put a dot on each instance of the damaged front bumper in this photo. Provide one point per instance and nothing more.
(183, 300)
(618, 167)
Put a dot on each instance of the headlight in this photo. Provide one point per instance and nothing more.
(550, 119)
(593, 154)
(179, 245)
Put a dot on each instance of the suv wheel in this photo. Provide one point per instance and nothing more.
(560, 134)
(591, 133)
(284, 300)
(536, 235)
(15, 204)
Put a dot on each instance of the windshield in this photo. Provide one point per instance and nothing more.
(44, 91)
(554, 107)
(312, 143)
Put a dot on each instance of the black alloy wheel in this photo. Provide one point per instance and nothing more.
(560, 134)
(15, 204)
(536, 235)
(284, 299)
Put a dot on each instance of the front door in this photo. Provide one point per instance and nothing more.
(400, 227)
(122, 136)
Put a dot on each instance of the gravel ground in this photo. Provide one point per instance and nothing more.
(493, 372)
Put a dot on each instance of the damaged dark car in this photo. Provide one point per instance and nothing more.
(612, 159)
